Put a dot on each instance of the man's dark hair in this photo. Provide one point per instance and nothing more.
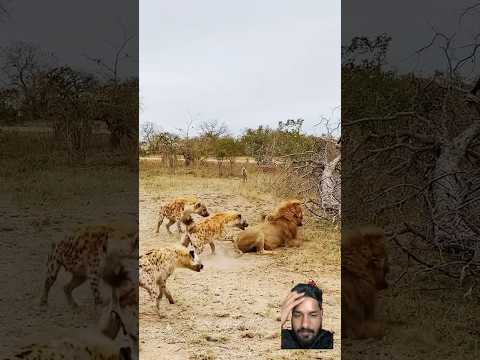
(309, 290)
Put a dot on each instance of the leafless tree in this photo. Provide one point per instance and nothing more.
(212, 129)
(23, 68)
(418, 170)
(4, 10)
(110, 69)
(317, 174)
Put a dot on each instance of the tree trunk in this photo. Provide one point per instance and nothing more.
(450, 229)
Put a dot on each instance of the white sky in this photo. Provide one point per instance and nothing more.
(244, 63)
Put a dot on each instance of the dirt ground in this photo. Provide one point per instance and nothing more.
(230, 310)
(35, 211)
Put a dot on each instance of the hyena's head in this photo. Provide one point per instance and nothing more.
(188, 242)
(239, 221)
(200, 209)
(119, 325)
(187, 218)
(194, 260)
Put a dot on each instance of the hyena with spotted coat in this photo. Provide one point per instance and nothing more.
(174, 210)
(84, 254)
(157, 265)
(211, 229)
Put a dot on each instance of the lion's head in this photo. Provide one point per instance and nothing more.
(290, 210)
(364, 248)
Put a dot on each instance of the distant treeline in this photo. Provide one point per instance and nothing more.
(37, 91)
(263, 143)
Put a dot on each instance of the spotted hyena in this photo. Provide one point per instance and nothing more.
(156, 266)
(174, 209)
(211, 229)
(84, 254)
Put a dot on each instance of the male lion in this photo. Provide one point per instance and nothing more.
(364, 267)
(278, 229)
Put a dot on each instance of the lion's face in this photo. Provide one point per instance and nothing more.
(295, 214)
(379, 268)
(378, 264)
(298, 215)
(292, 211)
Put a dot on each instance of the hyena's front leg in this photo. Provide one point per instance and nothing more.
(76, 281)
(170, 223)
(179, 227)
(93, 277)
(160, 221)
(161, 286)
(163, 289)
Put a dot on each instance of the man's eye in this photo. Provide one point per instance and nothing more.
(296, 315)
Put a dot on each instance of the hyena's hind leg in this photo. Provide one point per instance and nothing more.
(146, 282)
(53, 267)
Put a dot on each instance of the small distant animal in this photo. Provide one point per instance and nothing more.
(244, 174)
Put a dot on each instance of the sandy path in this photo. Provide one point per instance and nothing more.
(230, 309)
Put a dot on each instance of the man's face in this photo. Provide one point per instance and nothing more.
(307, 320)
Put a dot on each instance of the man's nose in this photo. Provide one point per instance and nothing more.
(305, 322)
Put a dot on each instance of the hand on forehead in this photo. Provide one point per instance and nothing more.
(307, 305)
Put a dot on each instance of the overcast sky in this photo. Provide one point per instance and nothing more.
(244, 63)
(412, 25)
(73, 29)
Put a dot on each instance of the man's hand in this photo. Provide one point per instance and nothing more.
(292, 300)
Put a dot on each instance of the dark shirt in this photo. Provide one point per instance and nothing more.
(324, 340)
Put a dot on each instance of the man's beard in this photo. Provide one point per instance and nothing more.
(305, 337)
